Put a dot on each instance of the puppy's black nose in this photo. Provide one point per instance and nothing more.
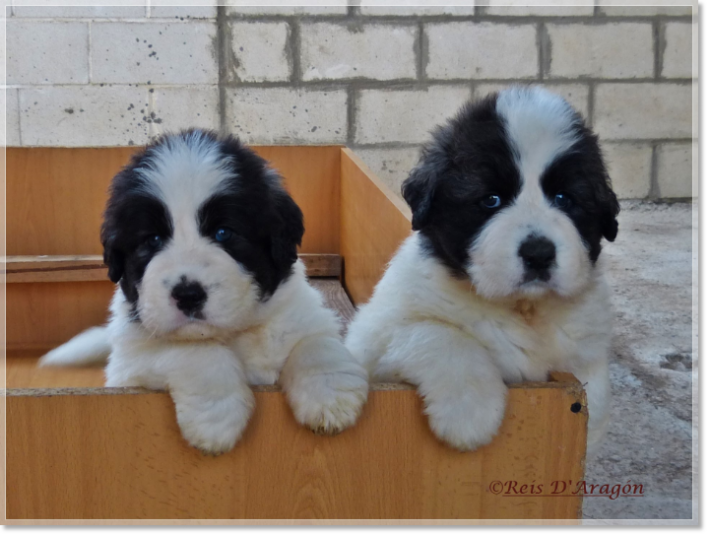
(538, 254)
(190, 296)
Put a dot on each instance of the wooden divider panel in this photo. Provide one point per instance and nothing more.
(56, 196)
(41, 316)
(99, 455)
(374, 223)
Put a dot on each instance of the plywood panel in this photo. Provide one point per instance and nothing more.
(374, 223)
(96, 454)
(22, 372)
(56, 196)
(41, 316)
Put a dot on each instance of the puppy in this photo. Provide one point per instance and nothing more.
(201, 238)
(501, 281)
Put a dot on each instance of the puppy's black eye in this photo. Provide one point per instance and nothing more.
(155, 241)
(492, 201)
(223, 234)
(561, 200)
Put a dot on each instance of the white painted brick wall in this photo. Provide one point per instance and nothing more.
(286, 7)
(374, 51)
(260, 50)
(162, 53)
(135, 11)
(695, 111)
(546, 8)
(177, 108)
(675, 174)
(12, 117)
(677, 61)
(47, 52)
(622, 50)
(169, 9)
(84, 116)
(376, 77)
(485, 50)
(392, 166)
(287, 116)
(402, 8)
(404, 115)
(630, 168)
(641, 8)
(643, 111)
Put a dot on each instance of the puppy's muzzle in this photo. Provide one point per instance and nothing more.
(189, 297)
(538, 255)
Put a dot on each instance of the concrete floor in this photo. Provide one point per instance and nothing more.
(652, 367)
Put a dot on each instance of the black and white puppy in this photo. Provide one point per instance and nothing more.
(502, 281)
(201, 238)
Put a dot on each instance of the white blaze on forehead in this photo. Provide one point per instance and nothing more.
(184, 172)
(539, 126)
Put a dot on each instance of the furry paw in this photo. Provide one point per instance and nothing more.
(213, 426)
(327, 403)
(468, 421)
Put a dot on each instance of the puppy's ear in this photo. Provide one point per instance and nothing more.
(606, 200)
(114, 259)
(609, 211)
(122, 183)
(287, 229)
(418, 191)
(608, 207)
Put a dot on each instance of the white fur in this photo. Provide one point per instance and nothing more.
(497, 270)
(427, 328)
(538, 125)
(207, 363)
(90, 346)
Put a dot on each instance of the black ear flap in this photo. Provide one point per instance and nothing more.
(418, 191)
(610, 209)
(610, 228)
(288, 229)
(115, 261)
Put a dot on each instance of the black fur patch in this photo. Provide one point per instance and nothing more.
(468, 160)
(581, 174)
(132, 218)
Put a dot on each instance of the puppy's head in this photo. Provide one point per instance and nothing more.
(198, 230)
(513, 193)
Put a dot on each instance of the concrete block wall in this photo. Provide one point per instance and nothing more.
(376, 78)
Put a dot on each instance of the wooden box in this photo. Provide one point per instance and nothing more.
(76, 450)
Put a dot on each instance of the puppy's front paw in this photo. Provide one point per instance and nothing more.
(329, 402)
(214, 425)
(467, 421)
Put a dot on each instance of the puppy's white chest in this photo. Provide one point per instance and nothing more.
(261, 353)
(527, 341)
